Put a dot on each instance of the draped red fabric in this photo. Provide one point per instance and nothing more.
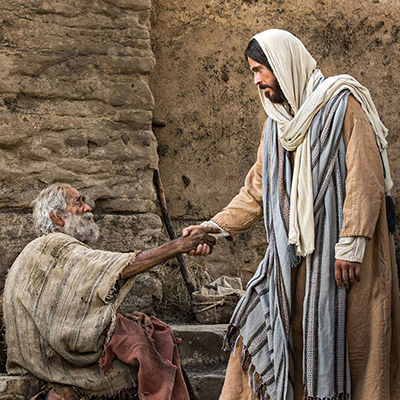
(153, 349)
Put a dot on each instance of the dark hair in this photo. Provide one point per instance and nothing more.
(255, 52)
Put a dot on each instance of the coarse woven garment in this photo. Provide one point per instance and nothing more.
(58, 302)
(262, 317)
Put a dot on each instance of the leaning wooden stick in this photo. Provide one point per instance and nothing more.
(171, 233)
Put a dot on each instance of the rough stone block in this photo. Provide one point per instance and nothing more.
(146, 293)
(16, 232)
(135, 119)
(127, 233)
(18, 387)
(108, 156)
(117, 91)
(134, 5)
(206, 385)
(201, 344)
(201, 355)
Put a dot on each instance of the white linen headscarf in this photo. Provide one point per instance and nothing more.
(295, 70)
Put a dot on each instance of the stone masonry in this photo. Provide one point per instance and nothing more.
(75, 107)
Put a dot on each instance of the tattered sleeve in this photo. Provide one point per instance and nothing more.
(246, 208)
(364, 182)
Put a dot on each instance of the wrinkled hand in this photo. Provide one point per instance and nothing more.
(203, 247)
(141, 318)
(347, 272)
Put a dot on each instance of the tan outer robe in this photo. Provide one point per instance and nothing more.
(373, 310)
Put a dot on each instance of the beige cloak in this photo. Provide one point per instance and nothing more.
(59, 298)
(373, 310)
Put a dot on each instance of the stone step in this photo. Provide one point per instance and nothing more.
(201, 344)
(202, 357)
(18, 387)
(207, 380)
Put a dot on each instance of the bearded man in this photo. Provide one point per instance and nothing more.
(320, 318)
(60, 302)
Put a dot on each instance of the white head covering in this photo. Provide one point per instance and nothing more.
(295, 70)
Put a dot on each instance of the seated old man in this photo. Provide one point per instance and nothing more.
(60, 303)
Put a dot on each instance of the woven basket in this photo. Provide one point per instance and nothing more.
(214, 309)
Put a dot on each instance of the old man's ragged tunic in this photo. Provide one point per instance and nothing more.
(59, 299)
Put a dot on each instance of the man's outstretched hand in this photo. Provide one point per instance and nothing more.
(198, 236)
(202, 249)
(347, 273)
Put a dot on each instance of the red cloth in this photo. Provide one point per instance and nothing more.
(153, 349)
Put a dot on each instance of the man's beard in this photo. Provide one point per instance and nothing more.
(277, 97)
(82, 227)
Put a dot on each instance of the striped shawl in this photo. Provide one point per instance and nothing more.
(263, 315)
(58, 301)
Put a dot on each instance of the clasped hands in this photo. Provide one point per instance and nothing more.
(201, 247)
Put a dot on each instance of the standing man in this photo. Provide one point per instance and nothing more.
(320, 318)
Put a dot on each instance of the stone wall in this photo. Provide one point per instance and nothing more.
(75, 107)
(203, 90)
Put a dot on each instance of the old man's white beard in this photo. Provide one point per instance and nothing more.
(82, 227)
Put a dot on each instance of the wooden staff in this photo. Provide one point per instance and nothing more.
(171, 233)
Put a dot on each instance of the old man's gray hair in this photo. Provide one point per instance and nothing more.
(53, 200)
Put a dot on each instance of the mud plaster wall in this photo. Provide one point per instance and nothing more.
(75, 107)
(203, 90)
